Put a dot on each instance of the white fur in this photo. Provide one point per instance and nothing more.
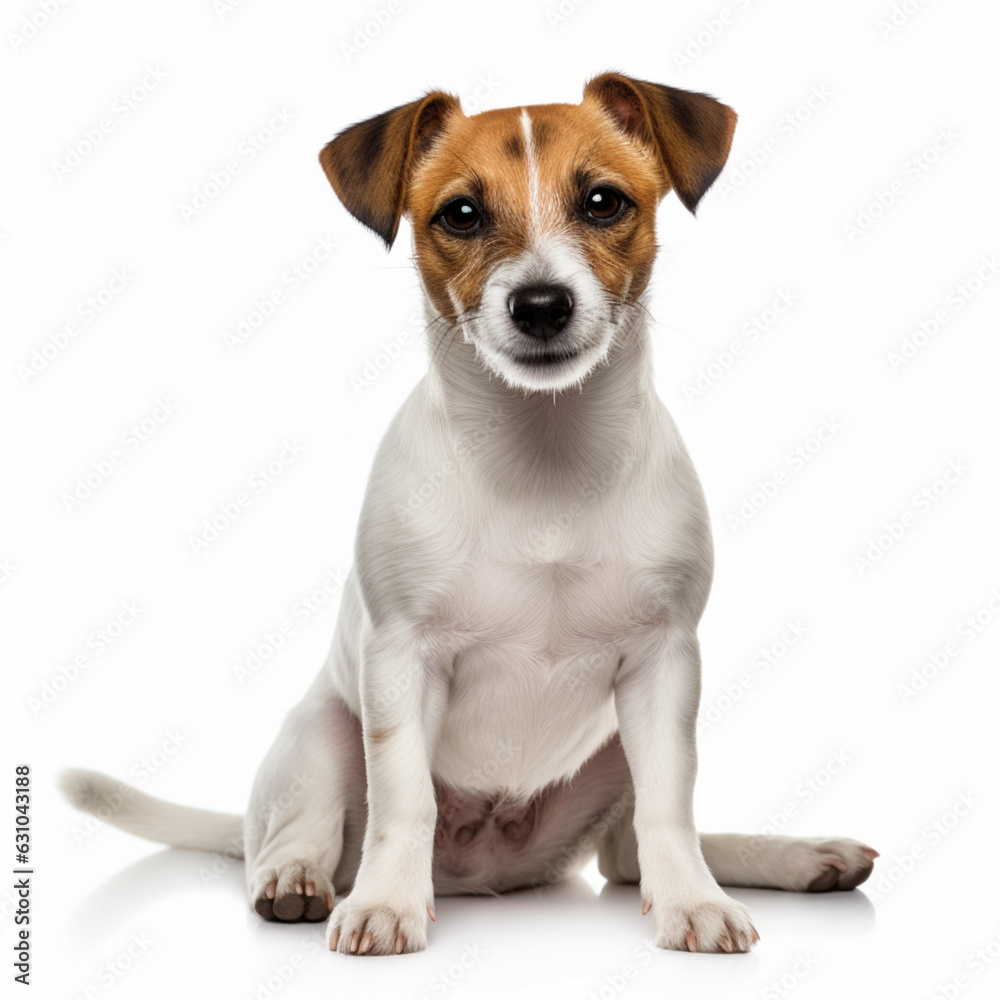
(550, 259)
(531, 164)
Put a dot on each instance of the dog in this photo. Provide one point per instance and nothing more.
(514, 679)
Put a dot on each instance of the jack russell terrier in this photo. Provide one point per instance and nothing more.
(515, 674)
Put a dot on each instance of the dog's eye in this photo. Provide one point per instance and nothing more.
(603, 204)
(460, 216)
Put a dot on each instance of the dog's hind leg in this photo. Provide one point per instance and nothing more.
(798, 864)
(307, 800)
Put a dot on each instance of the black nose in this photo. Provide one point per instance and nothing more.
(542, 310)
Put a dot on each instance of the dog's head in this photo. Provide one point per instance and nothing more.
(534, 227)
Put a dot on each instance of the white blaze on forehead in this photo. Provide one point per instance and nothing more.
(531, 158)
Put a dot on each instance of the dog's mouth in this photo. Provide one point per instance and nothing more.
(545, 359)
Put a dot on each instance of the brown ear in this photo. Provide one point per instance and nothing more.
(368, 163)
(689, 133)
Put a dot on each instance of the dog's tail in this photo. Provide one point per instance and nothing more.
(129, 809)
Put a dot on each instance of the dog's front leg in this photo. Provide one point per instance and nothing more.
(402, 702)
(656, 696)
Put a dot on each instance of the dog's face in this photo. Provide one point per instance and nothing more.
(534, 228)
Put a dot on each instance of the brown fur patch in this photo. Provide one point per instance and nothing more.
(514, 147)
(368, 163)
(690, 132)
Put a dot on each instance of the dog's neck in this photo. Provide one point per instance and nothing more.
(558, 441)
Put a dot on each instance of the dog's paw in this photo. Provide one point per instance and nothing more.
(712, 925)
(291, 891)
(834, 864)
(361, 927)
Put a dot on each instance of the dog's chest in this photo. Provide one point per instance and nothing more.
(532, 594)
(531, 692)
(547, 610)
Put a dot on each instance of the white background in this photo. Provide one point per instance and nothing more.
(778, 221)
